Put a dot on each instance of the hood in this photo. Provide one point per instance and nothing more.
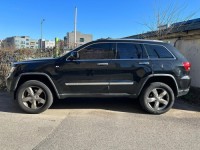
(40, 60)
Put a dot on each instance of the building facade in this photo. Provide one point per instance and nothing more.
(46, 44)
(21, 42)
(49, 44)
(18, 42)
(81, 39)
(34, 44)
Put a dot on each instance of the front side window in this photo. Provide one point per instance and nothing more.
(130, 51)
(98, 51)
(156, 51)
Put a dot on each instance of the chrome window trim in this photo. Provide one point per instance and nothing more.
(133, 42)
(131, 39)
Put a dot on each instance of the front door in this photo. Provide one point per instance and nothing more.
(89, 73)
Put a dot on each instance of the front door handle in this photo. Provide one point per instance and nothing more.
(144, 63)
(102, 64)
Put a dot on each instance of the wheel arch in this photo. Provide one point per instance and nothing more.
(42, 77)
(164, 78)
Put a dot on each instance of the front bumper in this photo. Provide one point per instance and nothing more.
(10, 83)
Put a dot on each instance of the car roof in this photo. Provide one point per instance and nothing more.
(139, 41)
(129, 40)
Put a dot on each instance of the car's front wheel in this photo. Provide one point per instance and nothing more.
(157, 98)
(34, 97)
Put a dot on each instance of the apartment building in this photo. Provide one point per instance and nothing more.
(49, 44)
(18, 42)
(34, 44)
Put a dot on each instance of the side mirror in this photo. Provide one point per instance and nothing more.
(73, 55)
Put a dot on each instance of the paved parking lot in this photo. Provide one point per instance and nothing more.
(116, 123)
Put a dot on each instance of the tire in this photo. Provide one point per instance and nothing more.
(157, 98)
(34, 97)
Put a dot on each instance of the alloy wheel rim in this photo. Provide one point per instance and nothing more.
(158, 99)
(34, 97)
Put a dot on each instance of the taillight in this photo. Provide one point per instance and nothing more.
(187, 66)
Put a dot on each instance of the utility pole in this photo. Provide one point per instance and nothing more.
(75, 22)
(41, 34)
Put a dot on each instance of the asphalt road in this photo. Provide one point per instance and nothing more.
(113, 124)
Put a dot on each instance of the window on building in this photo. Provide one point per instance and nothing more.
(27, 39)
(27, 43)
(156, 51)
(98, 51)
(22, 42)
(130, 51)
(82, 39)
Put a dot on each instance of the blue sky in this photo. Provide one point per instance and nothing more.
(102, 18)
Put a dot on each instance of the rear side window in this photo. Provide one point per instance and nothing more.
(130, 51)
(156, 51)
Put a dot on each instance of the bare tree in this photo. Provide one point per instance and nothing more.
(165, 18)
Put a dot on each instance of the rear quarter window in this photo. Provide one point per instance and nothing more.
(157, 51)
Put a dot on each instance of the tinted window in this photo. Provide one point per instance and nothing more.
(156, 51)
(98, 51)
(130, 51)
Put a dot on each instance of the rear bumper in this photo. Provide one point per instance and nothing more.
(184, 85)
(183, 92)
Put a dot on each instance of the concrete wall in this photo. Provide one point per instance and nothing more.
(190, 48)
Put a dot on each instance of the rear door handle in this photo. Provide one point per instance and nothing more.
(144, 63)
(102, 64)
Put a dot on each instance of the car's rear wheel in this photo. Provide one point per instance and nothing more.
(34, 97)
(157, 98)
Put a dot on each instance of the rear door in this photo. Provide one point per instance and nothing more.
(129, 68)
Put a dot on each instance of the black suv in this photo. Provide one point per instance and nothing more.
(152, 71)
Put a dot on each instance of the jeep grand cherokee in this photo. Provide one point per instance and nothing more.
(152, 71)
